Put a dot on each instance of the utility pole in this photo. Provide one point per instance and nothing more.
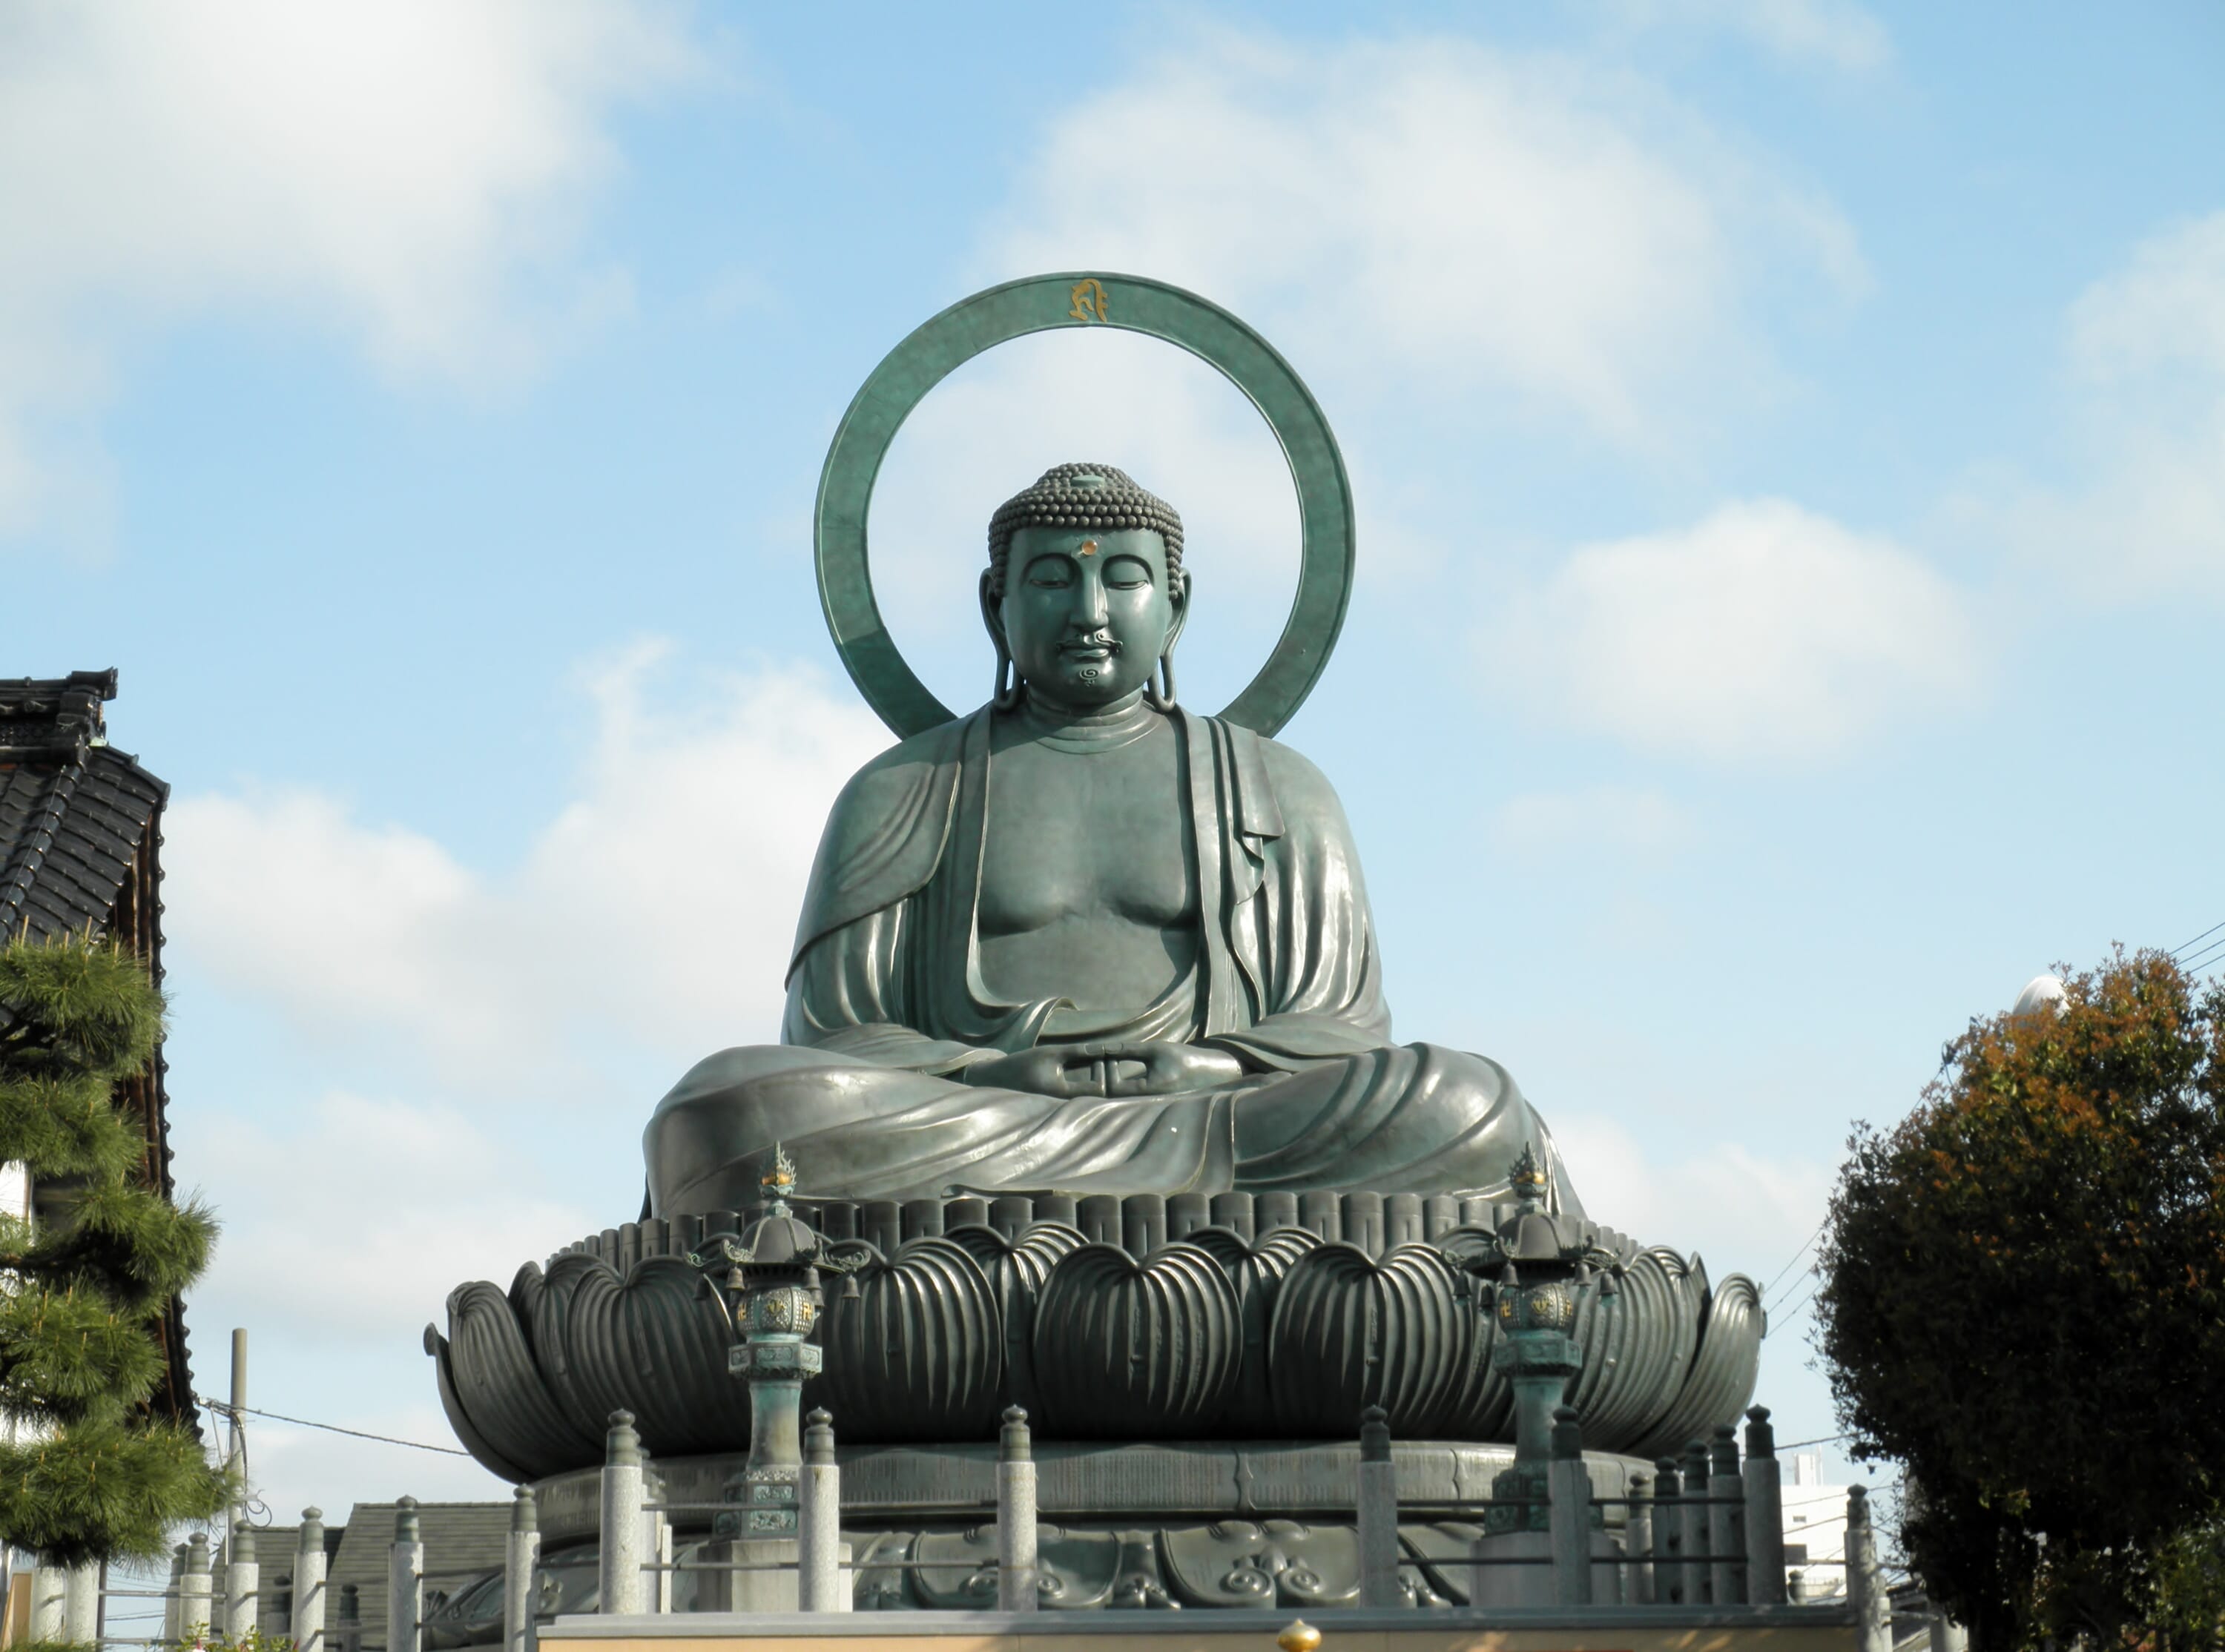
(235, 1460)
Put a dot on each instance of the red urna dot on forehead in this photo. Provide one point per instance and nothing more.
(1088, 547)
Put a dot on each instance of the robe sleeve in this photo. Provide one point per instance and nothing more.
(1304, 938)
(847, 987)
(846, 994)
(884, 836)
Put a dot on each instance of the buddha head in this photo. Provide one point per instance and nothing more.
(1085, 593)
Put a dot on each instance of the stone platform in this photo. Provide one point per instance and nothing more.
(1779, 1628)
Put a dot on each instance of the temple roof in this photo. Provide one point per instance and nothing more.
(73, 810)
(80, 836)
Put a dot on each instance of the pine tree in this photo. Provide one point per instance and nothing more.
(93, 1476)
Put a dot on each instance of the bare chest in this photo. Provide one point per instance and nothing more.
(1102, 836)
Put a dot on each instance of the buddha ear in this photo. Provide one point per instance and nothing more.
(992, 611)
(1178, 599)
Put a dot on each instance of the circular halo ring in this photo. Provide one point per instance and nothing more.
(1037, 304)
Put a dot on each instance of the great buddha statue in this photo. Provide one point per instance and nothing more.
(1086, 1091)
(1085, 940)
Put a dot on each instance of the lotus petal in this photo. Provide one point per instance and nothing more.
(917, 1353)
(1350, 1332)
(1636, 1364)
(487, 1370)
(1257, 1270)
(654, 1343)
(1128, 1349)
(1016, 1266)
(1720, 1383)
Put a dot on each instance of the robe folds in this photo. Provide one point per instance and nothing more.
(886, 1004)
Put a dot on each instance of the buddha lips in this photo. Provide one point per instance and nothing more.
(1107, 646)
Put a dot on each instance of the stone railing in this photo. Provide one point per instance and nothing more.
(1703, 1545)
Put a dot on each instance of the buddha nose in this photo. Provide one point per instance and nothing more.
(1094, 611)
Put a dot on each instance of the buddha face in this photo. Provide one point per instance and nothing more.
(1087, 611)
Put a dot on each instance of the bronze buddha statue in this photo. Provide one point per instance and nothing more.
(1083, 939)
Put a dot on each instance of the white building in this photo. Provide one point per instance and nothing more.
(1814, 1530)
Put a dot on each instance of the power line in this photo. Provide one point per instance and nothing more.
(1795, 1311)
(2204, 935)
(2210, 955)
(1822, 1440)
(1796, 1254)
(330, 1427)
(1791, 1286)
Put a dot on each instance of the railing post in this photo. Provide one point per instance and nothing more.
(81, 1603)
(1726, 1520)
(1668, 1534)
(1569, 1499)
(1015, 1515)
(1764, 1512)
(1638, 1543)
(521, 1558)
(173, 1593)
(1377, 1505)
(348, 1619)
(405, 1582)
(1947, 1635)
(193, 1615)
(1699, 1577)
(1865, 1580)
(659, 1549)
(309, 1584)
(819, 1556)
(621, 1547)
(243, 1582)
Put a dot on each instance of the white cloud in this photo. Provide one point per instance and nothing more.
(2164, 313)
(1438, 217)
(1743, 1212)
(1628, 821)
(346, 1223)
(392, 170)
(2145, 511)
(651, 916)
(399, 1201)
(1763, 632)
(1836, 34)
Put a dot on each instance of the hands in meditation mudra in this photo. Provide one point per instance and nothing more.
(1083, 939)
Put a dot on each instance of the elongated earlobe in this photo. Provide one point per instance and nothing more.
(1157, 698)
(1006, 697)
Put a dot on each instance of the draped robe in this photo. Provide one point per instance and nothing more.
(886, 1004)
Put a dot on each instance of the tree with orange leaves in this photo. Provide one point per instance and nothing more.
(2022, 1303)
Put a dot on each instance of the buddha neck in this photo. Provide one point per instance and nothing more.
(1086, 728)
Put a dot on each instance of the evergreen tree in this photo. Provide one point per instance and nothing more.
(93, 1476)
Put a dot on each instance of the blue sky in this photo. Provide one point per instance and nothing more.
(1790, 445)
